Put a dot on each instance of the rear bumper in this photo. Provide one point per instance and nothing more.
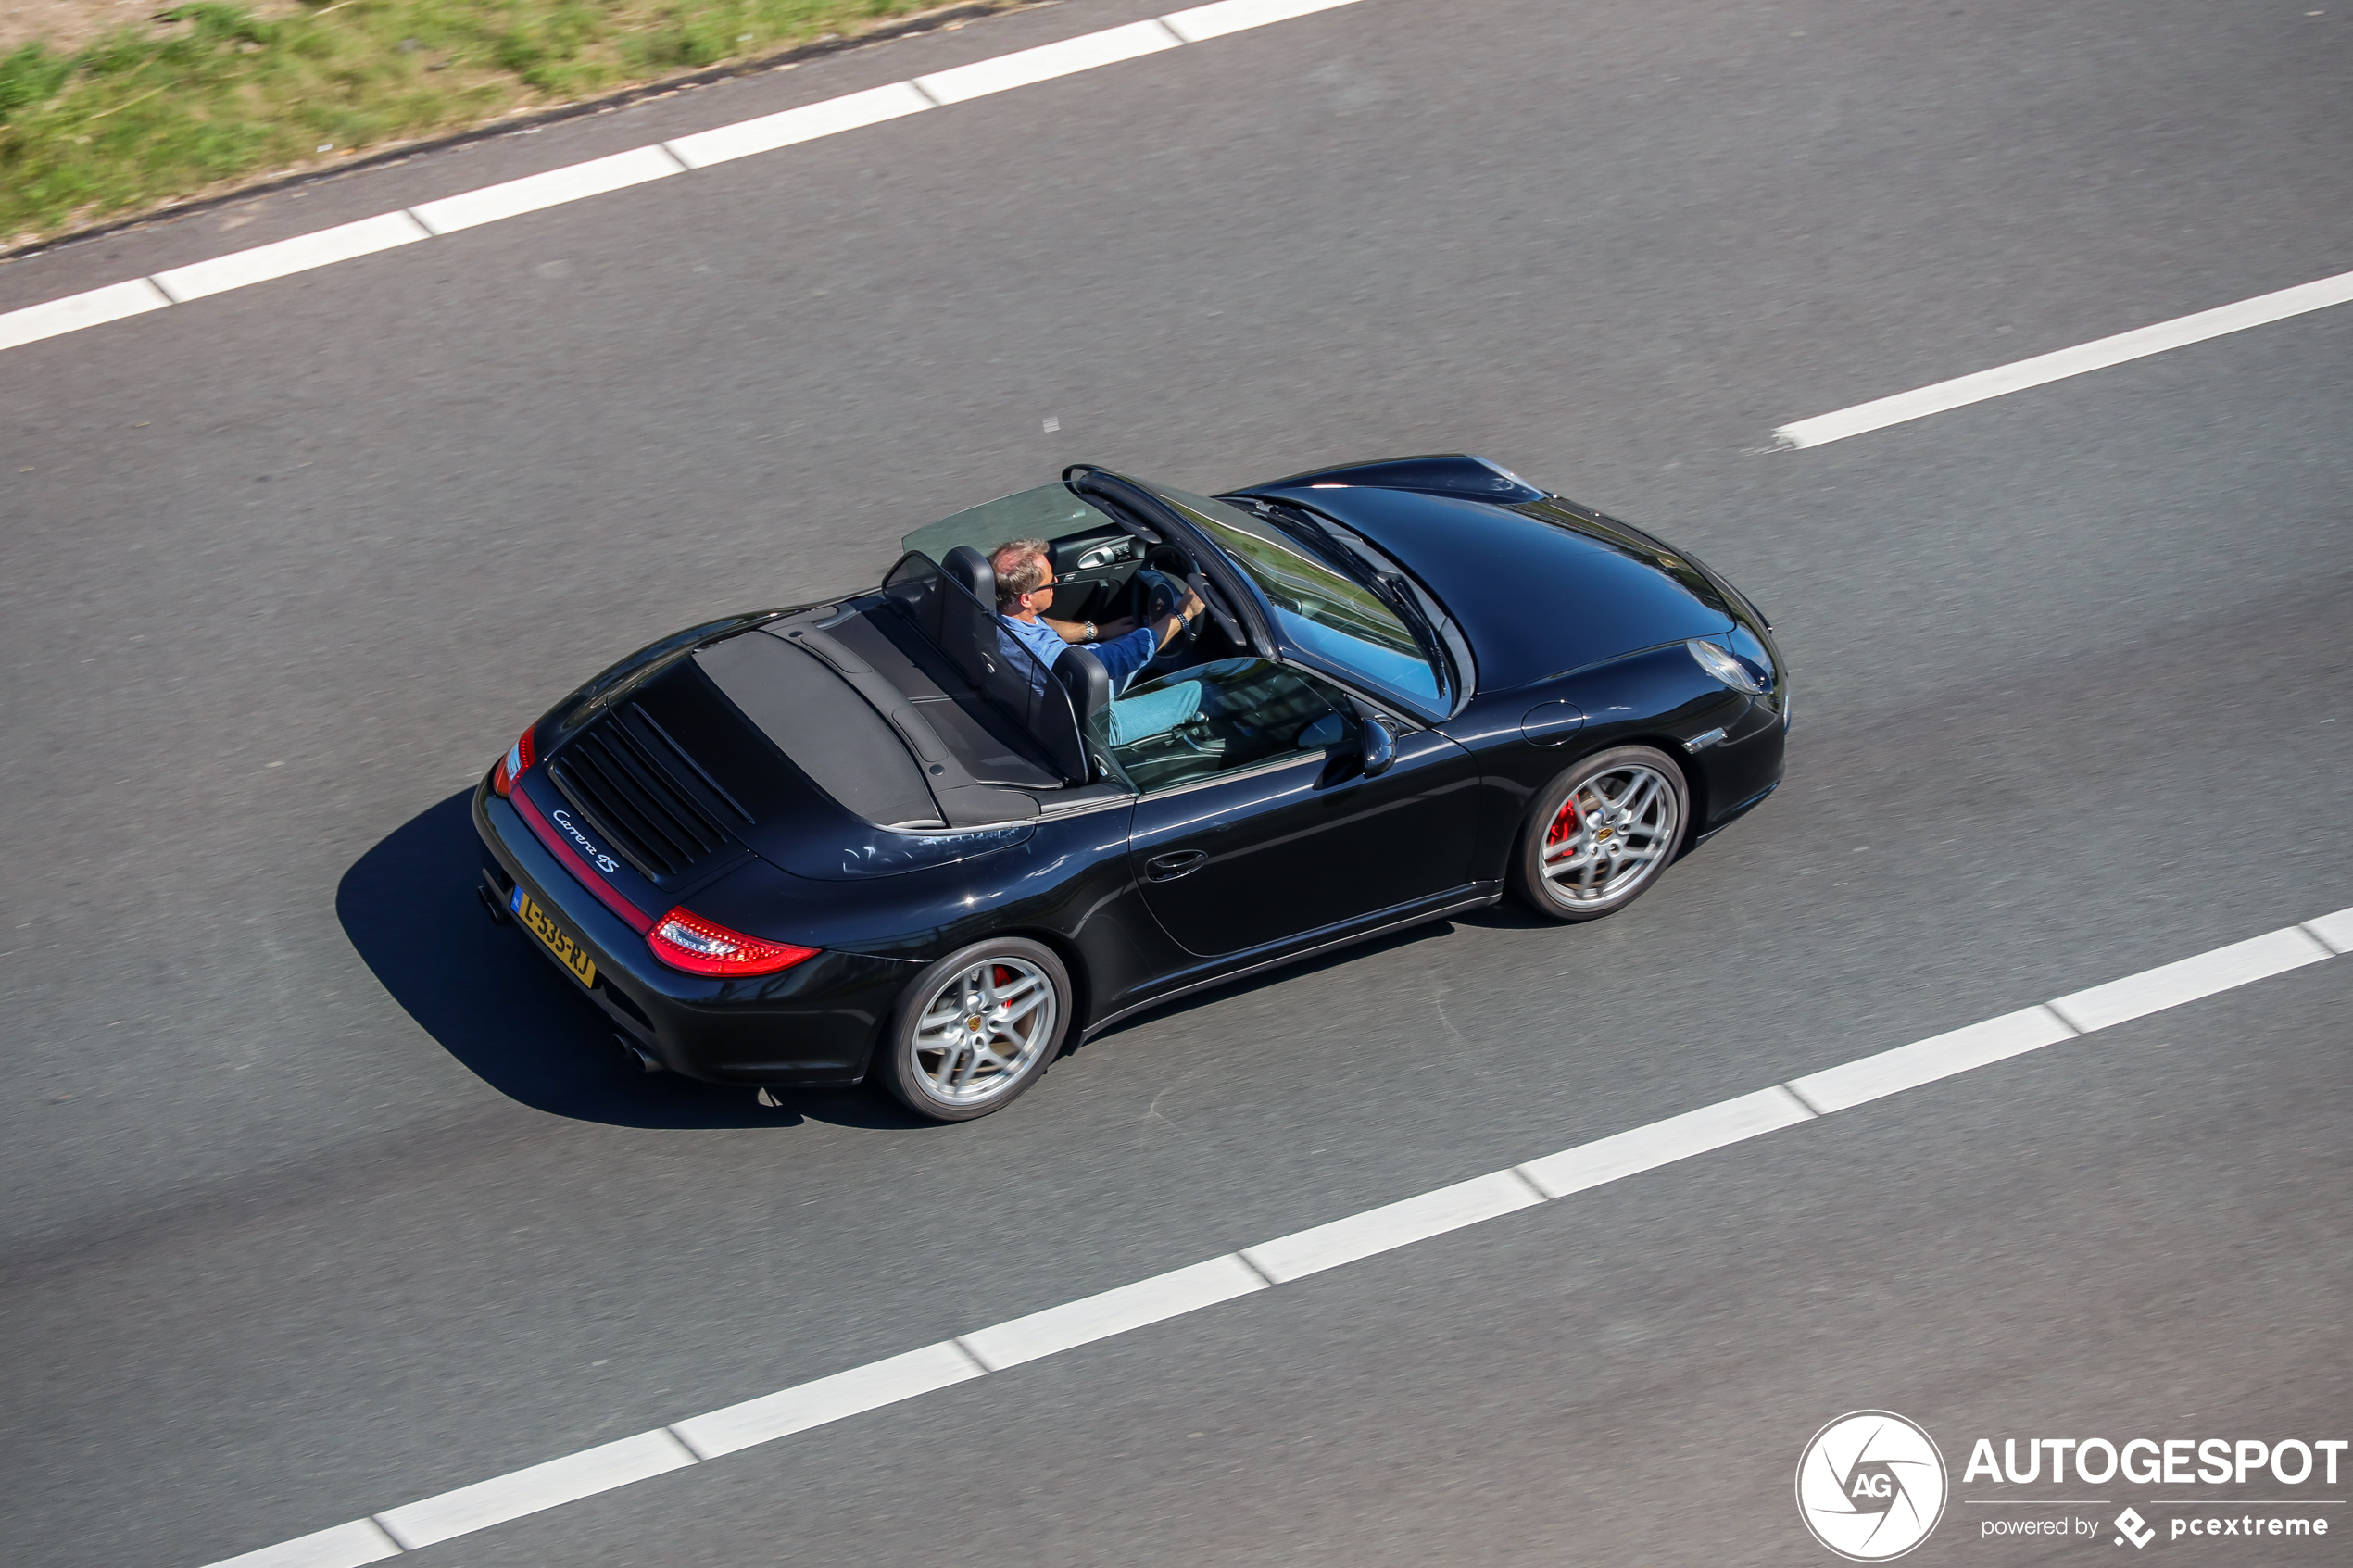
(816, 1025)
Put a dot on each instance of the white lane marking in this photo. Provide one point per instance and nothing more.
(346, 1546)
(804, 124)
(512, 1496)
(2335, 931)
(1390, 1226)
(2057, 366)
(1375, 1231)
(1047, 61)
(1115, 1312)
(1924, 1061)
(828, 1398)
(533, 192)
(262, 263)
(1235, 16)
(79, 310)
(576, 181)
(2169, 986)
(1663, 1143)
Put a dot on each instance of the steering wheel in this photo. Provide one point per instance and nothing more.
(1164, 596)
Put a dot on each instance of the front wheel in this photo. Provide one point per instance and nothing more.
(976, 1029)
(1598, 835)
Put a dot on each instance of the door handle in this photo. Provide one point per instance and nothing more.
(1174, 864)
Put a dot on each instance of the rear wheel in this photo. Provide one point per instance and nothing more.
(1598, 835)
(976, 1029)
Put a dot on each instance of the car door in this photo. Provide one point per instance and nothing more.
(1256, 821)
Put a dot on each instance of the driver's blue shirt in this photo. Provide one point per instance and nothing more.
(1122, 657)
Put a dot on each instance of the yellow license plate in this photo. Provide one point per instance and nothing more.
(540, 923)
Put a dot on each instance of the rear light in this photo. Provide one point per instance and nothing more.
(700, 946)
(514, 765)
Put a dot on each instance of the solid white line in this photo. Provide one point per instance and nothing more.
(79, 310)
(346, 1546)
(541, 1487)
(298, 255)
(574, 182)
(2169, 986)
(1047, 61)
(804, 124)
(1663, 1143)
(1113, 1312)
(2335, 931)
(1924, 1061)
(1235, 16)
(1394, 1226)
(1390, 1226)
(2065, 362)
(828, 1398)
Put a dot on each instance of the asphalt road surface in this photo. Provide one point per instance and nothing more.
(323, 1195)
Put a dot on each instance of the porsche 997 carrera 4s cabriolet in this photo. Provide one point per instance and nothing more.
(882, 838)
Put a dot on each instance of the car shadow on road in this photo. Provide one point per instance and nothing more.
(408, 906)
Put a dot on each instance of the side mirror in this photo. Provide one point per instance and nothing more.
(1379, 748)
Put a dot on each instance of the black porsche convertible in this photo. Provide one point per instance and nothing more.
(881, 838)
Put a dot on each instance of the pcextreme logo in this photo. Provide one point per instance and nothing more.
(1872, 1485)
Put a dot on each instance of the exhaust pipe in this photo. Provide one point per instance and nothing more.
(637, 1054)
(491, 904)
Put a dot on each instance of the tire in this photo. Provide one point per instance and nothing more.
(1009, 996)
(1580, 861)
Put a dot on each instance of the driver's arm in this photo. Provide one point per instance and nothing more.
(1169, 626)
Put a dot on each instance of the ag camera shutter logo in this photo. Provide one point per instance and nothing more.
(1872, 1485)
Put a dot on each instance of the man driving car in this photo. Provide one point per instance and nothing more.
(1024, 573)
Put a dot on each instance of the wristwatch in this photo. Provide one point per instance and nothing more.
(1090, 632)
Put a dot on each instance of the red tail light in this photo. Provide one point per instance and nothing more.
(517, 762)
(700, 946)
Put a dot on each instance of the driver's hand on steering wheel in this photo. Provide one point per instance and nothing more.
(1185, 613)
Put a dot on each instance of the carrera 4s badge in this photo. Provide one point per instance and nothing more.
(605, 862)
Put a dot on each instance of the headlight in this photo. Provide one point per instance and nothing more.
(1721, 663)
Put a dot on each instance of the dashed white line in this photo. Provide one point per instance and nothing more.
(542, 1486)
(1391, 1225)
(346, 1546)
(1663, 1143)
(1047, 61)
(1113, 1312)
(1924, 1061)
(807, 123)
(2171, 985)
(598, 176)
(299, 254)
(1365, 1234)
(575, 183)
(829, 1399)
(1234, 16)
(2058, 365)
(77, 311)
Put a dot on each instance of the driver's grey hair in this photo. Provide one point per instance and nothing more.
(1020, 568)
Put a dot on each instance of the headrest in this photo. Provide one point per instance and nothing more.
(965, 565)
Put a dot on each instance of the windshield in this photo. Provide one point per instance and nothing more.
(1317, 607)
(1050, 512)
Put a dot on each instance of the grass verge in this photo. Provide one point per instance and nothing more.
(213, 93)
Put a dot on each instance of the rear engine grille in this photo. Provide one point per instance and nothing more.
(629, 780)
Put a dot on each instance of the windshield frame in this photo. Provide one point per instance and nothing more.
(1330, 554)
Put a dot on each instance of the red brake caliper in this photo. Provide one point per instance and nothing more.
(1563, 823)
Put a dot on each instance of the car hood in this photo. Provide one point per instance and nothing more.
(1538, 587)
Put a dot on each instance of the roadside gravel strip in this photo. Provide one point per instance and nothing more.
(1306, 1253)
